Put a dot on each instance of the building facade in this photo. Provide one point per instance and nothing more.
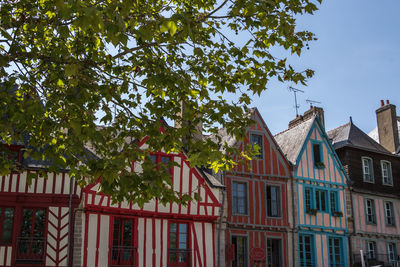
(124, 234)
(374, 173)
(257, 211)
(34, 216)
(320, 189)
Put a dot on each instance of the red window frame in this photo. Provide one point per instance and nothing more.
(175, 252)
(123, 248)
(158, 157)
(32, 247)
(2, 216)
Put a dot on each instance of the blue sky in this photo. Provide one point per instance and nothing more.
(356, 61)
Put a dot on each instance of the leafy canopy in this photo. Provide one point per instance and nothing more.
(67, 65)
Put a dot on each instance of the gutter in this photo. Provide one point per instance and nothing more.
(220, 221)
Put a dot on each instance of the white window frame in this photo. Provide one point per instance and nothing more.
(371, 250)
(387, 178)
(372, 209)
(389, 213)
(392, 253)
(370, 168)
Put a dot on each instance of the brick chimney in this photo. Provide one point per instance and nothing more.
(307, 115)
(387, 126)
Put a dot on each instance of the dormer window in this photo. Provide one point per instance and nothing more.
(256, 139)
(317, 155)
(386, 168)
(368, 172)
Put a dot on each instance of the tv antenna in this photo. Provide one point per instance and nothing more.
(312, 102)
(295, 91)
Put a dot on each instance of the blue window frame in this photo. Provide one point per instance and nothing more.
(306, 250)
(239, 198)
(321, 197)
(336, 258)
(309, 197)
(256, 139)
(317, 155)
(334, 201)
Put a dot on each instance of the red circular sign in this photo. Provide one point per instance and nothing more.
(257, 254)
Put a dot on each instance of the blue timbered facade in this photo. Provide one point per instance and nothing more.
(320, 185)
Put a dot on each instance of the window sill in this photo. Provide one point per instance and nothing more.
(319, 165)
(370, 182)
(387, 184)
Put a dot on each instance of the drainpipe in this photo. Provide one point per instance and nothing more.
(220, 221)
(294, 221)
(71, 184)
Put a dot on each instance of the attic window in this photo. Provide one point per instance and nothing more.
(256, 139)
(317, 153)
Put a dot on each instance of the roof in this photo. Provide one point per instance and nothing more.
(292, 139)
(350, 135)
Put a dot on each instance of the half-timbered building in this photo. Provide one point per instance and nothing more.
(124, 234)
(34, 216)
(257, 213)
(320, 185)
(374, 173)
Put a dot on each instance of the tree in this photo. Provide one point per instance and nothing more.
(67, 66)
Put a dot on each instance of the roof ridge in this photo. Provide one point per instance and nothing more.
(294, 126)
(338, 127)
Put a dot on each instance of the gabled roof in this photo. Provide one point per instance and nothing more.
(291, 140)
(350, 135)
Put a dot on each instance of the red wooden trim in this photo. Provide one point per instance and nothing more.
(161, 242)
(196, 246)
(204, 243)
(154, 241)
(98, 239)
(144, 241)
(180, 184)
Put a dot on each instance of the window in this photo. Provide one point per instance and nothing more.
(335, 252)
(386, 167)
(320, 199)
(334, 201)
(317, 155)
(371, 250)
(389, 213)
(308, 195)
(274, 254)
(256, 139)
(370, 211)
(392, 253)
(123, 250)
(31, 242)
(368, 172)
(179, 252)
(273, 201)
(6, 224)
(306, 250)
(239, 198)
(158, 158)
(241, 258)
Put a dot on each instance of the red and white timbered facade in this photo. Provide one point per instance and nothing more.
(155, 235)
(258, 209)
(34, 218)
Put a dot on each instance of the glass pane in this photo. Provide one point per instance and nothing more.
(7, 224)
(39, 223)
(127, 233)
(26, 223)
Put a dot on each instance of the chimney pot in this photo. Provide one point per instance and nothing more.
(382, 103)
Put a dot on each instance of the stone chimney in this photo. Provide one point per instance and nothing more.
(199, 127)
(387, 126)
(307, 115)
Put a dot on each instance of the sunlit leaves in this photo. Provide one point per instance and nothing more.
(67, 66)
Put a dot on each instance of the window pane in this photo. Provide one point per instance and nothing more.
(256, 139)
(8, 214)
(317, 153)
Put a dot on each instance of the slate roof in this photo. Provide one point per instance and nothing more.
(350, 135)
(292, 140)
